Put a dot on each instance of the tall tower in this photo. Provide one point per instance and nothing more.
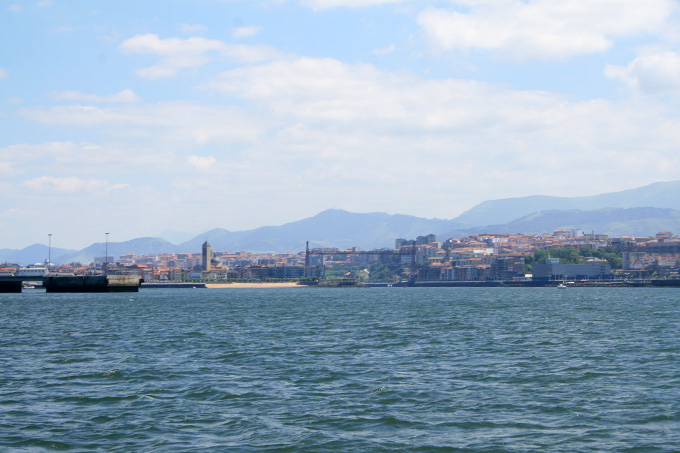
(207, 256)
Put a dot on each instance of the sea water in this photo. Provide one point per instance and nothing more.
(330, 369)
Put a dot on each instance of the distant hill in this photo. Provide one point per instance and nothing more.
(36, 253)
(636, 212)
(498, 212)
(330, 228)
(139, 246)
(612, 221)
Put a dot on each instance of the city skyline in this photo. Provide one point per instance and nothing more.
(475, 258)
(189, 116)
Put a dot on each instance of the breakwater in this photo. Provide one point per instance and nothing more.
(73, 284)
(92, 284)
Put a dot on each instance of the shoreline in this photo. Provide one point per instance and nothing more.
(253, 285)
(655, 283)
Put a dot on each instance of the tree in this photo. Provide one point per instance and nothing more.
(380, 272)
(614, 258)
(567, 255)
(570, 255)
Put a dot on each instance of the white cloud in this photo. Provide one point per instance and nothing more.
(326, 4)
(245, 32)
(86, 160)
(653, 73)
(192, 52)
(320, 90)
(310, 129)
(177, 125)
(385, 50)
(123, 97)
(176, 53)
(361, 118)
(14, 7)
(3, 74)
(6, 168)
(201, 163)
(542, 29)
(188, 29)
(69, 184)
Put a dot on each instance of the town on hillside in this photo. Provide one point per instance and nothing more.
(560, 256)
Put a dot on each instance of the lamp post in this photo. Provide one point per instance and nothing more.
(106, 255)
(49, 251)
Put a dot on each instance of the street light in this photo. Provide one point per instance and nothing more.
(49, 250)
(106, 255)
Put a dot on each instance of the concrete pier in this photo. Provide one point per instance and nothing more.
(89, 284)
(10, 287)
(92, 284)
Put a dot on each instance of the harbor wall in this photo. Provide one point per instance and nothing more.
(93, 284)
(10, 287)
(123, 283)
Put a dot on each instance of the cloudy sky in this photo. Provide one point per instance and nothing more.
(137, 117)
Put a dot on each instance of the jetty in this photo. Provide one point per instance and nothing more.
(74, 284)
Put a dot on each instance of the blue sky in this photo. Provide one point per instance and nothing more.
(134, 118)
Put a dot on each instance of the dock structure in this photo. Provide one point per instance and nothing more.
(75, 284)
(10, 286)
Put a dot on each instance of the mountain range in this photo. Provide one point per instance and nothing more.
(635, 212)
(497, 212)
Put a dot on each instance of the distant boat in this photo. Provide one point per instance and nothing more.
(561, 285)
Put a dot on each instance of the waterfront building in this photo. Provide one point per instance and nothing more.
(554, 270)
(507, 267)
(282, 271)
(207, 256)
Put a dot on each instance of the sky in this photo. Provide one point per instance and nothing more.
(150, 118)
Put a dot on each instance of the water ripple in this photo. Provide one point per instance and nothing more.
(448, 369)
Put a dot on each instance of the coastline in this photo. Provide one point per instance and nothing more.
(649, 283)
(253, 285)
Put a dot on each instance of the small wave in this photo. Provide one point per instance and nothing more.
(90, 399)
(143, 400)
(101, 419)
(660, 419)
(67, 360)
(41, 444)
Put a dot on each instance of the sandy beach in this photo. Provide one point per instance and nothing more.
(253, 285)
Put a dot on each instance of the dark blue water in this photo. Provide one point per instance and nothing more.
(392, 369)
